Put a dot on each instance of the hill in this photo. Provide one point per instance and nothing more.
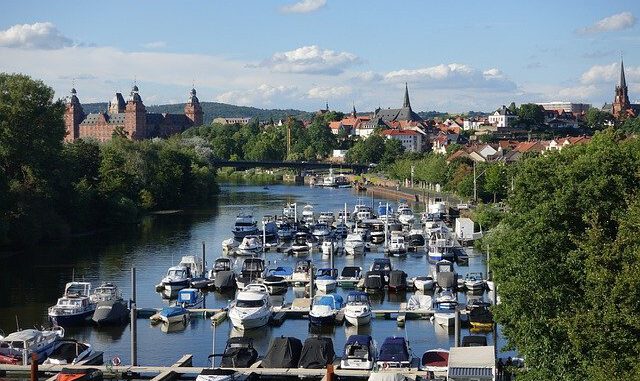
(214, 110)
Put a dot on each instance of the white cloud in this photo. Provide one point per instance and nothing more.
(304, 6)
(310, 60)
(452, 76)
(367, 76)
(40, 35)
(321, 92)
(618, 21)
(261, 96)
(609, 74)
(155, 45)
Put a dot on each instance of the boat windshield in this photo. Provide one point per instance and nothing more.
(381, 267)
(253, 266)
(176, 273)
(357, 298)
(357, 351)
(249, 303)
(69, 302)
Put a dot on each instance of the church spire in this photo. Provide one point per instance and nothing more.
(353, 112)
(406, 103)
(623, 82)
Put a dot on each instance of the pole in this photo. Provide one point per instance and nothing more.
(413, 167)
(213, 345)
(331, 260)
(311, 285)
(204, 260)
(295, 212)
(475, 184)
(386, 224)
(345, 214)
(457, 327)
(264, 236)
(34, 367)
(134, 325)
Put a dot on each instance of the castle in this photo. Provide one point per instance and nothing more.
(130, 118)
(621, 107)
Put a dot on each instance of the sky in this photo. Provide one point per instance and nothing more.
(455, 56)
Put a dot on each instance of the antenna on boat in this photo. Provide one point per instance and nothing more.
(17, 325)
(73, 274)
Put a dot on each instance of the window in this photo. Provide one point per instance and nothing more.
(249, 303)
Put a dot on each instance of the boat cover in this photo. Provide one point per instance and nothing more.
(397, 279)
(284, 352)
(281, 271)
(480, 315)
(438, 358)
(357, 346)
(173, 311)
(394, 349)
(225, 280)
(446, 280)
(273, 279)
(239, 353)
(474, 341)
(333, 301)
(67, 350)
(317, 353)
(374, 280)
(351, 272)
(87, 374)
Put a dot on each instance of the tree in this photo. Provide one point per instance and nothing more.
(393, 149)
(597, 119)
(495, 180)
(513, 108)
(531, 115)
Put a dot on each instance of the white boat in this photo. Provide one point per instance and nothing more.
(324, 309)
(350, 276)
(251, 245)
(301, 245)
(327, 218)
(423, 283)
(194, 264)
(441, 244)
(446, 296)
(474, 282)
(444, 313)
(229, 245)
(301, 272)
(405, 214)
(397, 246)
(252, 307)
(289, 211)
(359, 353)
(362, 212)
(74, 307)
(354, 244)
(17, 347)
(419, 302)
(435, 360)
(326, 280)
(307, 214)
(321, 231)
(245, 225)
(358, 309)
(177, 278)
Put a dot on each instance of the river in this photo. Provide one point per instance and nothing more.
(33, 280)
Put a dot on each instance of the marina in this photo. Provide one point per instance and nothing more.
(169, 238)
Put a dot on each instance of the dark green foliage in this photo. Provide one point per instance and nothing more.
(566, 260)
(370, 150)
(598, 120)
(530, 115)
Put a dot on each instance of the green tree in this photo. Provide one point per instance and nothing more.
(495, 180)
(597, 119)
(393, 149)
(530, 115)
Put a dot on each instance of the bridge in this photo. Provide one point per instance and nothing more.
(298, 165)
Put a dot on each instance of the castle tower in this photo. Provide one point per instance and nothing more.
(73, 116)
(117, 104)
(135, 119)
(621, 101)
(193, 110)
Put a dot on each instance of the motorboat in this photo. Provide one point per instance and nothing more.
(357, 311)
(190, 298)
(321, 231)
(269, 230)
(68, 351)
(480, 317)
(301, 245)
(342, 182)
(111, 308)
(394, 353)
(329, 181)
(74, 307)
(405, 214)
(253, 269)
(397, 246)
(252, 307)
(362, 212)
(384, 265)
(359, 353)
(435, 360)
(441, 244)
(220, 264)
(354, 244)
(225, 280)
(317, 353)
(194, 264)
(251, 245)
(376, 230)
(374, 281)
(474, 341)
(384, 211)
(177, 278)
(239, 353)
(444, 313)
(350, 276)
(230, 245)
(220, 374)
(326, 279)
(419, 302)
(289, 211)
(17, 347)
(330, 247)
(341, 230)
(245, 225)
(277, 280)
(397, 281)
(436, 210)
(415, 239)
(324, 309)
(423, 283)
(474, 282)
(326, 218)
(283, 352)
(286, 231)
(301, 274)
(446, 296)
(79, 374)
(170, 315)
(308, 215)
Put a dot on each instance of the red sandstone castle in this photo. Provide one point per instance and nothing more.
(131, 118)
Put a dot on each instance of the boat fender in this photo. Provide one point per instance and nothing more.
(385, 365)
(115, 361)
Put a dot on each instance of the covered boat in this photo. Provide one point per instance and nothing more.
(397, 280)
(225, 280)
(317, 353)
(435, 360)
(239, 353)
(374, 281)
(394, 353)
(76, 374)
(217, 374)
(284, 352)
(474, 341)
(277, 280)
(111, 309)
(251, 245)
(419, 302)
(384, 265)
(359, 353)
(423, 283)
(480, 317)
(172, 314)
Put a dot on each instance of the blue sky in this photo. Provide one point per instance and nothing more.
(456, 56)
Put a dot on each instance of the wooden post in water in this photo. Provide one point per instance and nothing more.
(330, 374)
(457, 328)
(311, 290)
(134, 324)
(204, 260)
(34, 367)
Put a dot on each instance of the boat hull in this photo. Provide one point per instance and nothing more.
(322, 319)
(444, 319)
(358, 319)
(111, 313)
(72, 319)
(326, 286)
(249, 323)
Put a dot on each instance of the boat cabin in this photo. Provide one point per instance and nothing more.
(359, 353)
(326, 272)
(77, 289)
(106, 292)
(358, 297)
(222, 264)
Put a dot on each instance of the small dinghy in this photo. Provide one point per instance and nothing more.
(69, 352)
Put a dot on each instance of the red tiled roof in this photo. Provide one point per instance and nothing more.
(393, 132)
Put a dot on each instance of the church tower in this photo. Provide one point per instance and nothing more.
(406, 103)
(73, 116)
(621, 101)
(135, 119)
(193, 110)
(354, 114)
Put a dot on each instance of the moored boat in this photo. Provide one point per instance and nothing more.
(111, 308)
(75, 307)
(357, 311)
(359, 353)
(324, 309)
(252, 307)
(350, 276)
(394, 353)
(17, 347)
(326, 279)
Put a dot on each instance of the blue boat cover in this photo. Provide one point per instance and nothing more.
(360, 296)
(394, 349)
(188, 296)
(327, 273)
(281, 271)
(333, 301)
(173, 311)
(360, 339)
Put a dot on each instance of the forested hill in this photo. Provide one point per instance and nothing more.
(214, 110)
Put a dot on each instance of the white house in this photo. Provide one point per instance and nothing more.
(411, 140)
(502, 117)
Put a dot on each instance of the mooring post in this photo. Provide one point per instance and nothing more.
(457, 328)
(134, 324)
(34, 367)
(311, 281)
(204, 259)
(330, 373)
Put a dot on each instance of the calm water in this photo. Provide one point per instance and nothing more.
(32, 281)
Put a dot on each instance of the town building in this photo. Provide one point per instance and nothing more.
(129, 118)
(405, 113)
(349, 125)
(621, 105)
(502, 117)
(569, 107)
(240, 121)
(411, 140)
